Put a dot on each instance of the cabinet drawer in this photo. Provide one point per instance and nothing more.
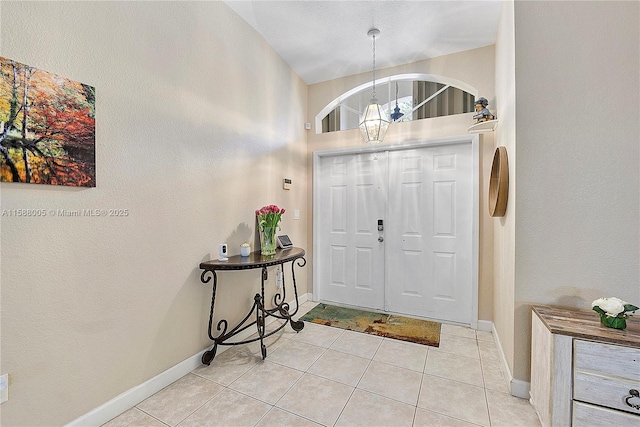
(585, 415)
(607, 360)
(605, 375)
(606, 391)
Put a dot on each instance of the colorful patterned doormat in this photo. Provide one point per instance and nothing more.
(384, 325)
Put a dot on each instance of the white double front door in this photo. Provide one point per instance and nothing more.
(394, 231)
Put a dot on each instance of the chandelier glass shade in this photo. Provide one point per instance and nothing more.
(374, 121)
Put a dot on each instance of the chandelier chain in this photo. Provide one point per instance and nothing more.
(373, 94)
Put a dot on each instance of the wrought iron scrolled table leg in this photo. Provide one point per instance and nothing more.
(260, 314)
(204, 278)
(208, 355)
(281, 308)
(263, 348)
(284, 310)
(296, 325)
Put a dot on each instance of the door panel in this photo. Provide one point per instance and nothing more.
(352, 199)
(338, 265)
(424, 265)
(428, 239)
(444, 206)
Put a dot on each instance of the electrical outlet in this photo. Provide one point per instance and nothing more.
(4, 388)
(278, 279)
(296, 214)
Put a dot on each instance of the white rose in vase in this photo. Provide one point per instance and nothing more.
(612, 306)
(613, 311)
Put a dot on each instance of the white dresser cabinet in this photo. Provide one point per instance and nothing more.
(583, 373)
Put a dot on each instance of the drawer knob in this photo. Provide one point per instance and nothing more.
(632, 393)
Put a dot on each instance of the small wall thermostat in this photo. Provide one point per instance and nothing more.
(284, 242)
(286, 184)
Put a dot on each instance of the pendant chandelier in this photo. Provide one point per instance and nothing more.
(374, 121)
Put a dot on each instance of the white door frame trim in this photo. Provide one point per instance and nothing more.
(474, 140)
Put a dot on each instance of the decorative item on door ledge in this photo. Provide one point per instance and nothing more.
(268, 219)
(395, 116)
(47, 127)
(499, 183)
(374, 121)
(613, 311)
(482, 112)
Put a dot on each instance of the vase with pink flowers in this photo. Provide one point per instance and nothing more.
(268, 223)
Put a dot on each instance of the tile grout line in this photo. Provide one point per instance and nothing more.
(155, 418)
(359, 380)
(486, 400)
(424, 368)
(486, 365)
(318, 376)
(484, 385)
(192, 412)
(306, 371)
(227, 387)
(457, 381)
(345, 405)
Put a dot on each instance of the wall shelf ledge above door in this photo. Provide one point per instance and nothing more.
(482, 127)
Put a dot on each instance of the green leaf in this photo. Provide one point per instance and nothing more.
(618, 323)
(630, 307)
(599, 310)
(614, 322)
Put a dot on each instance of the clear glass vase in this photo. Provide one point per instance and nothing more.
(268, 242)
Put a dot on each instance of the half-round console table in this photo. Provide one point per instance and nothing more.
(258, 312)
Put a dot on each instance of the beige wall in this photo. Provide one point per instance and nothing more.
(198, 121)
(474, 67)
(92, 307)
(577, 229)
(504, 237)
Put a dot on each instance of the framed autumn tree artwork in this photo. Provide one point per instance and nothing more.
(47, 127)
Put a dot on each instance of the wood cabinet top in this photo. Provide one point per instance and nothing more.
(586, 324)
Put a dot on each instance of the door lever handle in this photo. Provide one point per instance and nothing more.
(380, 239)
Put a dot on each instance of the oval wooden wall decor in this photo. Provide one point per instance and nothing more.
(499, 183)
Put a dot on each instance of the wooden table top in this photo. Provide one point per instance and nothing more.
(586, 324)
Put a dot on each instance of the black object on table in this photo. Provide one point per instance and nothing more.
(280, 310)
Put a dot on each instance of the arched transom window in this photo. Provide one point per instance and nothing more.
(419, 96)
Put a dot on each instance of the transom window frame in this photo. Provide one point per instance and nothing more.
(447, 81)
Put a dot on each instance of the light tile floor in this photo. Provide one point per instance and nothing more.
(326, 376)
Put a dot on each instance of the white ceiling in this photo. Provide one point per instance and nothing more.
(324, 40)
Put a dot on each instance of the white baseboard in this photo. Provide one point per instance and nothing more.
(137, 394)
(485, 325)
(303, 298)
(517, 388)
(520, 388)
